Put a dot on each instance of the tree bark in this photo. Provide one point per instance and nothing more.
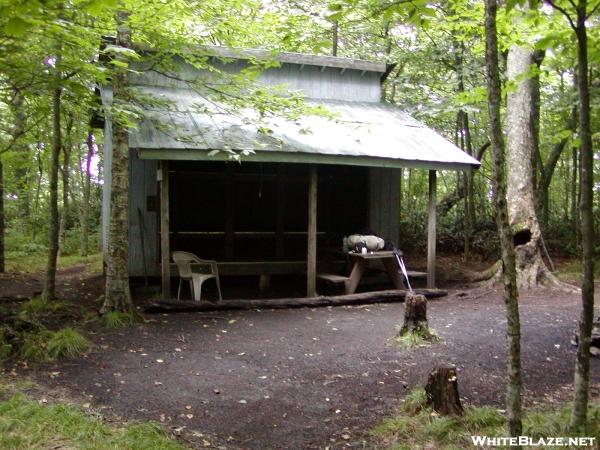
(582, 365)
(334, 38)
(521, 135)
(509, 277)
(65, 172)
(21, 163)
(415, 315)
(442, 392)
(575, 194)
(2, 220)
(49, 293)
(117, 293)
(547, 170)
(453, 198)
(85, 207)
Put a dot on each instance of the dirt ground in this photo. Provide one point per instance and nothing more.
(302, 378)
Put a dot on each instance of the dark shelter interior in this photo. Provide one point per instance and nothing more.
(231, 212)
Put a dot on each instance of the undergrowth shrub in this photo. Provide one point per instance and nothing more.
(67, 343)
(45, 345)
(117, 319)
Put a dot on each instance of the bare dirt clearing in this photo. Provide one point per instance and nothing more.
(308, 378)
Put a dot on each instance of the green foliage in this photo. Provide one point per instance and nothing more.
(415, 401)
(67, 343)
(45, 345)
(6, 347)
(421, 428)
(38, 305)
(118, 319)
(26, 424)
(444, 429)
(33, 346)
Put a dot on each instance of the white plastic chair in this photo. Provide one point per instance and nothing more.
(184, 261)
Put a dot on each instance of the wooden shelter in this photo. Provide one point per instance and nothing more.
(296, 190)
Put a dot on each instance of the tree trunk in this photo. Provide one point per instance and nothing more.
(38, 185)
(334, 38)
(21, 162)
(574, 194)
(454, 197)
(442, 392)
(118, 295)
(2, 220)
(64, 217)
(49, 293)
(527, 234)
(547, 170)
(509, 276)
(85, 207)
(582, 364)
(415, 315)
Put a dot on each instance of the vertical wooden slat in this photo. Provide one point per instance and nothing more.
(311, 259)
(431, 230)
(229, 211)
(280, 211)
(165, 250)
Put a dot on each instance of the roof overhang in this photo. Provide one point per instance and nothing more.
(300, 158)
(360, 134)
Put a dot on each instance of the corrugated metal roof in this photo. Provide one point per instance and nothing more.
(360, 134)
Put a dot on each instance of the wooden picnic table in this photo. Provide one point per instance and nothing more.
(359, 265)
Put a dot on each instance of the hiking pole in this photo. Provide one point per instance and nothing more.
(400, 261)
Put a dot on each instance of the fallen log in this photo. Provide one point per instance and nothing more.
(176, 306)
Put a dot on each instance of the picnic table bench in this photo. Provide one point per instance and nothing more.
(359, 265)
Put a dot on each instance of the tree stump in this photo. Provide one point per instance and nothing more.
(415, 314)
(442, 392)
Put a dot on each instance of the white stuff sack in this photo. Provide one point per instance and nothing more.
(373, 243)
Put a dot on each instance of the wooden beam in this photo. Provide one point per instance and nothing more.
(431, 230)
(165, 246)
(311, 258)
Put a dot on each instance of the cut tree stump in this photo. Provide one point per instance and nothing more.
(415, 314)
(442, 392)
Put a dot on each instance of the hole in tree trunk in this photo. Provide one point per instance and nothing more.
(522, 237)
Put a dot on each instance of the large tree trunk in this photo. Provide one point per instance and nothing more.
(582, 365)
(521, 141)
(509, 277)
(117, 294)
(49, 293)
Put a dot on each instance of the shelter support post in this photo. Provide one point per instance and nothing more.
(165, 246)
(431, 230)
(311, 258)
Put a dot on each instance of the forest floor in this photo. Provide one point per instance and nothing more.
(302, 378)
